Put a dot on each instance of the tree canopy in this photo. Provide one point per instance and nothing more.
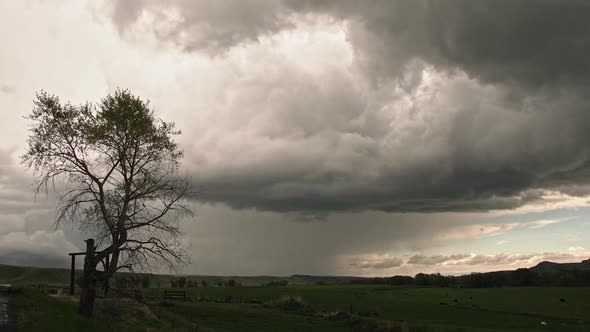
(115, 166)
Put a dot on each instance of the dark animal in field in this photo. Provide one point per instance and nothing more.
(443, 303)
(562, 300)
(455, 300)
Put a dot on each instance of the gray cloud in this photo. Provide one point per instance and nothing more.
(358, 155)
(436, 259)
(380, 264)
(498, 259)
(479, 105)
(207, 26)
(27, 232)
(17, 201)
(39, 248)
(531, 42)
(536, 42)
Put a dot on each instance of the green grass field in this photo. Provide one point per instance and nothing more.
(41, 312)
(259, 308)
(425, 309)
(517, 309)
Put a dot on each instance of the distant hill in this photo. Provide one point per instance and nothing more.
(556, 267)
(33, 275)
(309, 279)
(58, 276)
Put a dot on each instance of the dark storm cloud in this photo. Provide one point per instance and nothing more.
(501, 114)
(533, 41)
(527, 41)
(478, 157)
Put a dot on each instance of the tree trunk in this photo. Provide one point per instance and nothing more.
(88, 292)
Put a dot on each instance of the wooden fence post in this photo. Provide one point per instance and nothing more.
(72, 275)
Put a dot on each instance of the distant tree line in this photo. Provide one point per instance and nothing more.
(394, 280)
(520, 277)
(139, 281)
(278, 283)
(144, 281)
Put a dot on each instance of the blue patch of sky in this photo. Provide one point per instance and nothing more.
(572, 231)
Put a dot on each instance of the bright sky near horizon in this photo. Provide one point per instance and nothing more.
(332, 137)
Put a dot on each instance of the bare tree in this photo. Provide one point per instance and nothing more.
(116, 168)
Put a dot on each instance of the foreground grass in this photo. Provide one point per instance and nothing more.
(37, 311)
(40, 312)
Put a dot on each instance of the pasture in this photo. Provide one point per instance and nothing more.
(493, 309)
(373, 306)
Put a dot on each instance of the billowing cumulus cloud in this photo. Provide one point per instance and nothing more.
(411, 106)
(314, 144)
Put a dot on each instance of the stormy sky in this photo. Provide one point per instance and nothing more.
(331, 137)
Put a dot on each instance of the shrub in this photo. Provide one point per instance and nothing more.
(290, 303)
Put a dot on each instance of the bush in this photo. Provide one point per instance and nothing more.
(290, 303)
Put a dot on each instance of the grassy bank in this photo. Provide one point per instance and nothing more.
(39, 312)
